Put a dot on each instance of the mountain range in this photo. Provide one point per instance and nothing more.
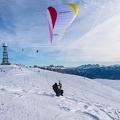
(92, 71)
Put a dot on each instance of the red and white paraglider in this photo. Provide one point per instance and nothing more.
(60, 18)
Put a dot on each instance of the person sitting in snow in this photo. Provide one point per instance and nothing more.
(57, 89)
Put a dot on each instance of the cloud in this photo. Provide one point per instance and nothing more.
(100, 44)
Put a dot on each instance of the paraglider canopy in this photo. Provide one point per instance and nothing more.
(59, 18)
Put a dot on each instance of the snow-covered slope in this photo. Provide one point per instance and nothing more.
(109, 83)
(26, 94)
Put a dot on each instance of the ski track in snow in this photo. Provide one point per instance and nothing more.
(22, 98)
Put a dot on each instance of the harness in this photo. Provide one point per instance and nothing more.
(58, 86)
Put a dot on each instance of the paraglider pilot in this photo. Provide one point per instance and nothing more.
(57, 89)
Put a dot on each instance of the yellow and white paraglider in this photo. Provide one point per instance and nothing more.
(60, 18)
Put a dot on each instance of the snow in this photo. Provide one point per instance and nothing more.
(106, 82)
(26, 94)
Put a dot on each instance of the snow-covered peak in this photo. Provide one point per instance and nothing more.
(88, 66)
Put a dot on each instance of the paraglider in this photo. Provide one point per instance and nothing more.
(37, 51)
(60, 18)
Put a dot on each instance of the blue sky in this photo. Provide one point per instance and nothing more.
(93, 37)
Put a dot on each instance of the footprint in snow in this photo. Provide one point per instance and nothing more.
(3, 89)
(18, 94)
(64, 108)
(85, 106)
